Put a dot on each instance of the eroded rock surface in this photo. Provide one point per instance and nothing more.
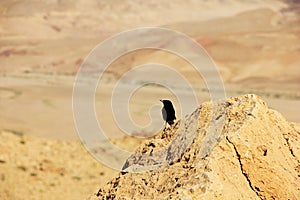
(240, 149)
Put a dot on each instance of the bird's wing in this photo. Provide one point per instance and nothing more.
(164, 113)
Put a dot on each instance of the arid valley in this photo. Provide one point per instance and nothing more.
(255, 46)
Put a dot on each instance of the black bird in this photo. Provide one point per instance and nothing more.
(168, 112)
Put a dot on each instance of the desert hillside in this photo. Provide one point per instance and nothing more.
(255, 46)
(257, 151)
(255, 156)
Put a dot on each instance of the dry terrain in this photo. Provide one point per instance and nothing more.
(254, 154)
(255, 44)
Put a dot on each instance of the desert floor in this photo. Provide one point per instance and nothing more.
(255, 45)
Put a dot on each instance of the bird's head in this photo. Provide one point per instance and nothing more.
(162, 101)
(165, 101)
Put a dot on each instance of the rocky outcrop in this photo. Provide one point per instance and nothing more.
(238, 149)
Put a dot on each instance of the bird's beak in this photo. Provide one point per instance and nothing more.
(161, 100)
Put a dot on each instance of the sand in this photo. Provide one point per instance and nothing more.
(254, 44)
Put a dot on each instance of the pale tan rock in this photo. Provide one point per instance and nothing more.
(255, 156)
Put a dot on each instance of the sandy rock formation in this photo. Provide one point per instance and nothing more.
(240, 149)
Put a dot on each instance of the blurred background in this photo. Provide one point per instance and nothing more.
(255, 44)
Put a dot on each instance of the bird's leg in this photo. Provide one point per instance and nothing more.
(165, 125)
